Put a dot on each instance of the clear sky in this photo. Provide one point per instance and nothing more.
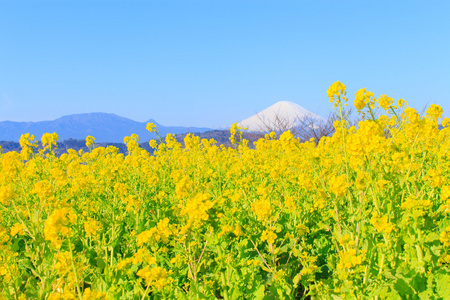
(213, 62)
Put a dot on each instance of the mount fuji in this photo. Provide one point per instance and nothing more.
(281, 116)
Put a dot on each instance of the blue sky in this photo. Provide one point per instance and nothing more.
(213, 62)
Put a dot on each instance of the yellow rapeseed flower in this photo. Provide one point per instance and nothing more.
(269, 236)
(156, 276)
(90, 141)
(17, 229)
(56, 225)
(335, 91)
(445, 237)
(151, 127)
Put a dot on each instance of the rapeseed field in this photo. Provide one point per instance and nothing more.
(362, 214)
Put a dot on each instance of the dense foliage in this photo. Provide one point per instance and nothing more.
(361, 214)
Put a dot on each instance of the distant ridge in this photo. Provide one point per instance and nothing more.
(105, 127)
(281, 115)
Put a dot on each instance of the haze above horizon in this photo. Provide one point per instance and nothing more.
(212, 63)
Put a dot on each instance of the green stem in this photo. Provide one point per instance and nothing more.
(145, 292)
(75, 272)
(345, 151)
(225, 288)
(381, 264)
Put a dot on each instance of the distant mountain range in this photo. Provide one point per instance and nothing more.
(111, 128)
(104, 127)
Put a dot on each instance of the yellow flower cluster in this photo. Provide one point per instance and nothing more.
(68, 266)
(141, 256)
(269, 236)
(233, 131)
(90, 141)
(349, 259)
(160, 232)
(27, 142)
(89, 294)
(56, 225)
(49, 140)
(5, 194)
(156, 277)
(42, 189)
(445, 236)
(445, 193)
(381, 224)
(262, 209)
(435, 177)
(17, 229)
(419, 207)
(92, 227)
(335, 92)
(338, 185)
(385, 102)
(197, 208)
(363, 98)
(434, 112)
(183, 187)
(151, 127)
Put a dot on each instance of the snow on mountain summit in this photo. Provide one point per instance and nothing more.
(282, 115)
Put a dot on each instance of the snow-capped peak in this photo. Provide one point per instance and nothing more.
(280, 116)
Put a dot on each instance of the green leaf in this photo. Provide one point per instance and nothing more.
(266, 269)
(443, 285)
(279, 228)
(259, 294)
(236, 294)
(393, 295)
(100, 263)
(436, 250)
(403, 288)
(180, 295)
(431, 237)
(296, 252)
(388, 274)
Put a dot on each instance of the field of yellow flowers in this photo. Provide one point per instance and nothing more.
(361, 214)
